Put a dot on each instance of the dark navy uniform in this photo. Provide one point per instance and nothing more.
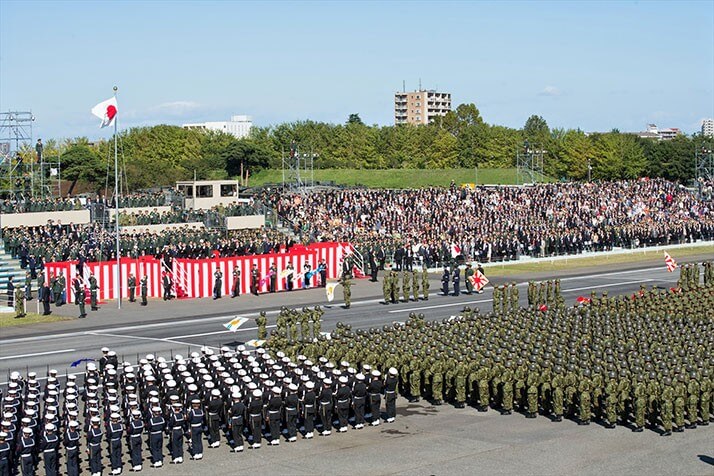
(326, 409)
(157, 425)
(195, 421)
(136, 429)
(445, 282)
(26, 451)
(291, 414)
(5, 458)
(94, 444)
(71, 444)
(390, 396)
(309, 409)
(359, 396)
(214, 409)
(177, 427)
(235, 422)
(275, 406)
(49, 444)
(343, 405)
(375, 399)
(255, 410)
(115, 431)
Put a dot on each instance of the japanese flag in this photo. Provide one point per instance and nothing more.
(106, 111)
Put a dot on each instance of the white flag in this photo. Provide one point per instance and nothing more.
(106, 111)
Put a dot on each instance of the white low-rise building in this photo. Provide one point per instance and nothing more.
(239, 126)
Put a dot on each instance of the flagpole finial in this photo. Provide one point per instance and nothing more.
(116, 89)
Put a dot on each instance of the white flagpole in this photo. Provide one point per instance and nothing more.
(116, 210)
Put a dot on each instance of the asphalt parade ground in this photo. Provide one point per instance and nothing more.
(424, 439)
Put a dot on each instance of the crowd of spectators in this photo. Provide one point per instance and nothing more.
(57, 242)
(32, 205)
(502, 223)
(427, 225)
(214, 216)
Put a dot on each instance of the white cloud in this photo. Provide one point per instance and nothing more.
(174, 108)
(549, 91)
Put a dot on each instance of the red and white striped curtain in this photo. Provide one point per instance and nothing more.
(195, 276)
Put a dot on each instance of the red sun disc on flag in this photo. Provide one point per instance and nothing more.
(111, 111)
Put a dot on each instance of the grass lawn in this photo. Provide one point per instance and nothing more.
(8, 319)
(678, 254)
(396, 178)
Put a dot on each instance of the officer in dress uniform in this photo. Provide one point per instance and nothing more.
(456, 280)
(217, 284)
(131, 286)
(235, 290)
(445, 281)
(144, 289)
(136, 431)
(255, 280)
(93, 289)
(195, 422)
(273, 273)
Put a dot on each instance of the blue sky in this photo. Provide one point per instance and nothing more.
(589, 65)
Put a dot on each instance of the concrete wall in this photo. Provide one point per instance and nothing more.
(14, 220)
(155, 228)
(247, 221)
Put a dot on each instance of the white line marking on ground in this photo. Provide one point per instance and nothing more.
(464, 303)
(37, 354)
(276, 311)
(224, 331)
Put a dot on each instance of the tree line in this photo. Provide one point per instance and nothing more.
(160, 155)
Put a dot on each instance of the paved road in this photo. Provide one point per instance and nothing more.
(181, 326)
(424, 440)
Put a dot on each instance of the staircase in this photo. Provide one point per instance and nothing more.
(11, 267)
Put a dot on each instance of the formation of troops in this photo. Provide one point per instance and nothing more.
(630, 360)
(126, 412)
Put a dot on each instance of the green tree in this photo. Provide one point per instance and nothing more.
(80, 162)
(355, 119)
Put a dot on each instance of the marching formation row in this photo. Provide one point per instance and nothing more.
(239, 398)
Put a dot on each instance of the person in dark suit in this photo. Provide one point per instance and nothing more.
(10, 291)
(45, 293)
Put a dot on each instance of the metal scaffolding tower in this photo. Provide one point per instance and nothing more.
(298, 168)
(529, 164)
(16, 134)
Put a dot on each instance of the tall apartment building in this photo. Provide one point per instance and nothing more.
(708, 127)
(238, 126)
(420, 107)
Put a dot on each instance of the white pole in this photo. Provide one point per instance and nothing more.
(116, 211)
